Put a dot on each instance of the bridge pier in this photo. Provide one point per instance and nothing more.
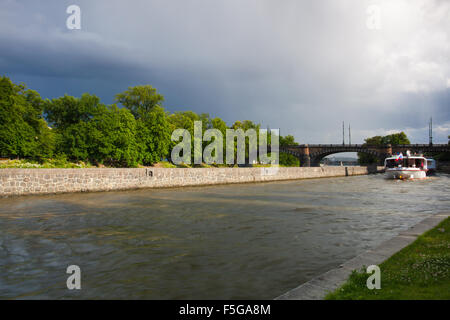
(388, 150)
(305, 161)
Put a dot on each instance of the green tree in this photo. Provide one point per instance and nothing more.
(140, 100)
(288, 140)
(246, 125)
(364, 158)
(23, 131)
(184, 120)
(287, 159)
(206, 122)
(393, 139)
(72, 121)
(67, 110)
(221, 125)
(74, 142)
(113, 138)
(45, 142)
(153, 136)
(153, 127)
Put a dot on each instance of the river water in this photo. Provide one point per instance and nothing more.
(247, 241)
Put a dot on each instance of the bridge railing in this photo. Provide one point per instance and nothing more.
(322, 145)
(423, 145)
(326, 146)
(417, 145)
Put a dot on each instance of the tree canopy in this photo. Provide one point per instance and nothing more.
(140, 100)
(393, 139)
(24, 132)
(85, 129)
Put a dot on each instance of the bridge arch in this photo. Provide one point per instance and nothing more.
(316, 157)
(312, 154)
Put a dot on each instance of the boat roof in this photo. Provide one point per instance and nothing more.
(409, 157)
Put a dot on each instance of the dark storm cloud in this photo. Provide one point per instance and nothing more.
(67, 59)
(302, 66)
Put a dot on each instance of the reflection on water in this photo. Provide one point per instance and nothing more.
(217, 242)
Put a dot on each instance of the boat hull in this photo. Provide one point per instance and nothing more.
(405, 173)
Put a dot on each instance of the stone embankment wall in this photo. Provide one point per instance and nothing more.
(14, 182)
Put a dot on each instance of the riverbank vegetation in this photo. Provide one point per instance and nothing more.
(419, 271)
(82, 131)
(393, 139)
(47, 163)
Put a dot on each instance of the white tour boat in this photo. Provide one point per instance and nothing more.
(406, 167)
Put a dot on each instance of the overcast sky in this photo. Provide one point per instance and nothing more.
(301, 66)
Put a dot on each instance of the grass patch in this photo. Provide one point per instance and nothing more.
(164, 164)
(419, 271)
(50, 163)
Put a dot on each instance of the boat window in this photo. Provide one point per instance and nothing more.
(419, 163)
(391, 163)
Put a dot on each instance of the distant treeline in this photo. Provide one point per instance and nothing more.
(84, 129)
(393, 139)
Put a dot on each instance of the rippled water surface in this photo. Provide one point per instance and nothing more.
(218, 242)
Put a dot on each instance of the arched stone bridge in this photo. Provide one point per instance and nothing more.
(310, 155)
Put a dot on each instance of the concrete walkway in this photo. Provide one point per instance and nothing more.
(319, 287)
